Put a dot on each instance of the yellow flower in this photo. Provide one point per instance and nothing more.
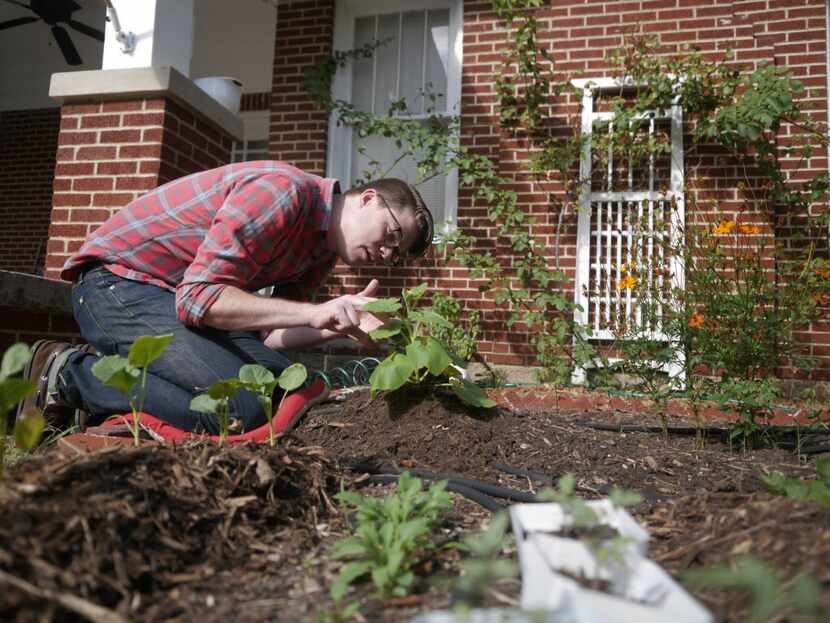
(627, 282)
(696, 321)
(725, 227)
(749, 229)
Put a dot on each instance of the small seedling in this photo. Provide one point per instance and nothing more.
(484, 568)
(262, 382)
(29, 426)
(390, 532)
(123, 373)
(418, 357)
(217, 402)
(814, 490)
(772, 598)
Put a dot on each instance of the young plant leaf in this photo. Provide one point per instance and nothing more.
(255, 374)
(204, 404)
(14, 360)
(116, 371)
(391, 373)
(349, 574)
(429, 353)
(224, 390)
(430, 318)
(387, 330)
(414, 294)
(293, 377)
(147, 348)
(28, 429)
(472, 394)
(13, 391)
(382, 306)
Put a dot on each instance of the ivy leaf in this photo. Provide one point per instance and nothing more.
(28, 429)
(387, 330)
(382, 306)
(116, 371)
(391, 373)
(147, 348)
(472, 394)
(293, 377)
(14, 360)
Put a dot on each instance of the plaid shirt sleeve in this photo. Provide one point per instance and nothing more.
(259, 213)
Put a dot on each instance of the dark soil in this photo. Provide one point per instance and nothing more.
(216, 534)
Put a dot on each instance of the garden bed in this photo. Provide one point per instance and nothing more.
(206, 533)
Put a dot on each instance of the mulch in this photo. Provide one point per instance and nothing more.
(204, 533)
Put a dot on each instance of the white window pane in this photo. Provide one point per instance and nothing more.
(362, 68)
(383, 152)
(412, 59)
(438, 45)
(386, 63)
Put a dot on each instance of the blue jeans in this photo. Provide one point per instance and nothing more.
(112, 312)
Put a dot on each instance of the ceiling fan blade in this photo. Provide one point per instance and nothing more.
(89, 31)
(70, 52)
(18, 22)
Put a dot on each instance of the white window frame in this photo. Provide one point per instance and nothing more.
(590, 89)
(339, 155)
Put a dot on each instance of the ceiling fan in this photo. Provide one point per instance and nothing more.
(55, 13)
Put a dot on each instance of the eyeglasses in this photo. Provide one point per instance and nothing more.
(393, 238)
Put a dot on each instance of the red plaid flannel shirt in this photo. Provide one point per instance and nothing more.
(249, 225)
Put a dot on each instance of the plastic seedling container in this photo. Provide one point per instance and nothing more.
(636, 589)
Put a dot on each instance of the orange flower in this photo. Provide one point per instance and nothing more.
(696, 320)
(749, 229)
(627, 282)
(824, 273)
(725, 227)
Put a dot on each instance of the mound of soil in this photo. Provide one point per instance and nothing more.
(206, 533)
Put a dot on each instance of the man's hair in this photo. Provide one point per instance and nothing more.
(402, 197)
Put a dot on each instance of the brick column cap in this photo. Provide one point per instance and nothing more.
(142, 82)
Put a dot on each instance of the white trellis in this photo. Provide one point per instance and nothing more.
(607, 217)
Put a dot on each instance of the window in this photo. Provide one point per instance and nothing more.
(619, 200)
(421, 52)
(245, 151)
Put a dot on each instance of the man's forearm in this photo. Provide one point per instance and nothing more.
(298, 337)
(236, 309)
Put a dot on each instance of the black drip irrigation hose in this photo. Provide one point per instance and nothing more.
(482, 493)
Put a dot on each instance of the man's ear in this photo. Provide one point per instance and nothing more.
(366, 196)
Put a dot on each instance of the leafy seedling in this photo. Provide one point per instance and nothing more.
(390, 532)
(484, 567)
(122, 373)
(217, 402)
(418, 357)
(814, 490)
(29, 426)
(262, 382)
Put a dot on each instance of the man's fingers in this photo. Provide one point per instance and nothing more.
(360, 335)
(371, 289)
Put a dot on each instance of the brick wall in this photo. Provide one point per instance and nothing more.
(109, 153)
(28, 140)
(579, 34)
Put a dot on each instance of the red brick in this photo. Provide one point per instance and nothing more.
(101, 121)
(120, 136)
(112, 199)
(92, 183)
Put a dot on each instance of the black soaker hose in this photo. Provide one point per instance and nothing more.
(470, 493)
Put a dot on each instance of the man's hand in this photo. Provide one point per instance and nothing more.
(344, 314)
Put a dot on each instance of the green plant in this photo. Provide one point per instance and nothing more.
(459, 338)
(122, 373)
(417, 357)
(389, 535)
(484, 568)
(262, 382)
(29, 426)
(773, 599)
(798, 489)
(217, 402)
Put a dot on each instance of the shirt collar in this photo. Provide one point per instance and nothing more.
(328, 188)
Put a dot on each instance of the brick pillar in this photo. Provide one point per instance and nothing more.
(299, 129)
(110, 152)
